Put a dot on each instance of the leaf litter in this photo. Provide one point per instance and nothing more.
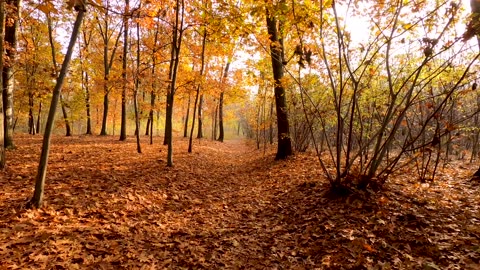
(225, 206)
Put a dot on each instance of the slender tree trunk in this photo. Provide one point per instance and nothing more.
(175, 59)
(154, 89)
(2, 139)
(214, 122)
(135, 92)
(10, 39)
(39, 116)
(284, 148)
(103, 132)
(123, 125)
(87, 105)
(31, 118)
(202, 70)
(220, 104)
(107, 64)
(37, 198)
(68, 130)
(185, 127)
(200, 116)
(85, 81)
(65, 117)
(271, 123)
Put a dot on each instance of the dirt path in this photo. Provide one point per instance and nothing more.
(225, 206)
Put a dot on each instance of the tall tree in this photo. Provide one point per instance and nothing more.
(106, 33)
(123, 125)
(284, 148)
(68, 129)
(220, 103)
(202, 70)
(174, 61)
(137, 87)
(2, 28)
(10, 43)
(84, 52)
(37, 199)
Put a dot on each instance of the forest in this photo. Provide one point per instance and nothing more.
(221, 134)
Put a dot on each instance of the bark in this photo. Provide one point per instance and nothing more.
(123, 125)
(2, 139)
(220, 105)
(68, 130)
(202, 70)
(37, 199)
(185, 127)
(85, 83)
(200, 117)
(87, 105)
(154, 86)
(39, 116)
(174, 61)
(284, 147)
(107, 64)
(31, 118)
(135, 92)
(8, 83)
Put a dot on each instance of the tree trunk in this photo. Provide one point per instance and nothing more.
(10, 39)
(31, 118)
(107, 64)
(87, 106)
(202, 70)
(123, 125)
(68, 131)
(39, 116)
(37, 198)
(200, 123)
(2, 139)
(185, 126)
(135, 92)
(174, 61)
(284, 148)
(220, 104)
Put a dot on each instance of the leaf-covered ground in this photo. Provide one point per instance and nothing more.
(225, 206)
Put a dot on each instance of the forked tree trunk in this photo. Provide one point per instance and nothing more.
(37, 198)
(107, 64)
(174, 61)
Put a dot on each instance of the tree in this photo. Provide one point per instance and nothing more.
(220, 103)
(10, 44)
(123, 125)
(284, 148)
(37, 199)
(197, 95)
(68, 129)
(2, 29)
(176, 46)
(106, 34)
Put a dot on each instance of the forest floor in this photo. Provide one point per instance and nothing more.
(225, 206)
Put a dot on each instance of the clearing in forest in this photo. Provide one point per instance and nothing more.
(225, 206)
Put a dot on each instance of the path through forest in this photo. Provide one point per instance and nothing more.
(226, 205)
